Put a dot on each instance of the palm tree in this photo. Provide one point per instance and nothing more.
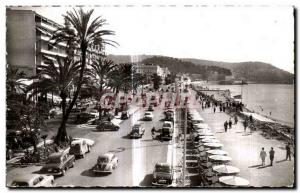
(156, 81)
(102, 70)
(127, 74)
(80, 32)
(13, 85)
(60, 79)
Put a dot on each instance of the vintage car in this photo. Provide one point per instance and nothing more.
(148, 116)
(80, 146)
(153, 101)
(124, 115)
(107, 126)
(137, 131)
(150, 108)
(162, 174)
(58, 163)
(94, 113)
(33, 180)
(106, 163)
(167, 131)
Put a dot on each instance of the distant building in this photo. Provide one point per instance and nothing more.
(196, 77)
(28, 35)
(150, 69)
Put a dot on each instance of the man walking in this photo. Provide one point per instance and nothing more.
(245, 123)
(235, 119)
(214, 109)
(225, 126)
(288, 152)
(271, 153)
(230, 123)
(263, 156)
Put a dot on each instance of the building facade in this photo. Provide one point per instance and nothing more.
(28, 41)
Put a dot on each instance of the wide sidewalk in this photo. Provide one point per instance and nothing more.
(244, 148)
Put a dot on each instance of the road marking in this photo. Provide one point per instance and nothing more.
(138, 161)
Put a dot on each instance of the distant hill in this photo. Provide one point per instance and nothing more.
(258, 72)
(176, 65)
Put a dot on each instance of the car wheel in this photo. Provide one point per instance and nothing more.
(117, 128)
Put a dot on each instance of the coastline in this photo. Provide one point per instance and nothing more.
(270, 129)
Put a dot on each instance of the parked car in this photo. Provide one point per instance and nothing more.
(162, 174)
(107, 125)
(124, 115)
(137, 131)
(80, 146)
(58, 163)
(106, 163)
(33, 180)
(148, 116)
(94, 113)
(150, 108)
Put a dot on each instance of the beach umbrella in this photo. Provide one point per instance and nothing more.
(210, 141)
(207, 137)
(234, 181)
(220, 158)
(213, 145)
(225, 169)
(217, 152)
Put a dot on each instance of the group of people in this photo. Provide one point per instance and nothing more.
(263, 155)
(229, 123)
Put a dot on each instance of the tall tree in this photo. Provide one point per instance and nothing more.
(102, 71)
(57, 78)
(80, 32)
(156, 81)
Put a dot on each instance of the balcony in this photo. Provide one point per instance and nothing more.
(53, 53)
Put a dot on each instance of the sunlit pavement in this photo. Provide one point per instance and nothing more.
(244, 148)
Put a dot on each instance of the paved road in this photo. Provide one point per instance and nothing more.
(137, 157)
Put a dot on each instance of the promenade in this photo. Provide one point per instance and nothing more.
(244, 148)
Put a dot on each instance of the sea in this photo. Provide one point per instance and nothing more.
(275, 101)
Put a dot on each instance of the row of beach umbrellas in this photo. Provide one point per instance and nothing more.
(215, 154)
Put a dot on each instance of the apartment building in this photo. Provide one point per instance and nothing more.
(28, 40)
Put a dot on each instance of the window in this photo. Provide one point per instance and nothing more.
(35, 181)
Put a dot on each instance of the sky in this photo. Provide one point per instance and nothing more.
(218, 33)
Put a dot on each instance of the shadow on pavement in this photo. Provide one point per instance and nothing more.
(90, 173)
(261, 167)
(255, 166)
(118, 150)
(281, 161)
(147, 181)
(126, 137)
(239, 132)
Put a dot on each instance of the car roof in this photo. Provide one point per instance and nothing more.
(162, 164)
(57, 154)
(106, 155)
(25, 177)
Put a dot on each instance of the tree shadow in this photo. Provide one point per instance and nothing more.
(90, 173)
(147, 181)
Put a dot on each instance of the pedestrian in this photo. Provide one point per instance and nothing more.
(224, 108)
(220, 108)
(214, 109)
(288, 152)
(225, 126)
(230, 123)
(271, 153)
(251, 119)
(153, 132)
(235, 119)
(263, 156)
(245, 123)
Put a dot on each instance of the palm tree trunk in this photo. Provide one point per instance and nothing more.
(62, 132)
